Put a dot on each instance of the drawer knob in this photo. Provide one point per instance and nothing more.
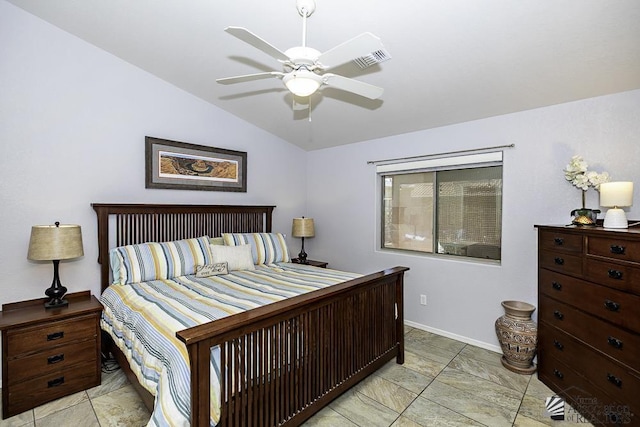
(614, 342)
(558, 315)
(611, 305)
(55, 336)
(56, 382)
(617, 249)
(559, 261)
(557, 344)
(55, 358)
(558, 374)
(614, 380)
(557, 286)
(615, 274)
(558, 241)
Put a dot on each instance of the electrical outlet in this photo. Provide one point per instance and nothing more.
(423, 300)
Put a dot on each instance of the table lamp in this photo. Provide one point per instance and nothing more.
(303, 227)
(54, 243)
(616, 195)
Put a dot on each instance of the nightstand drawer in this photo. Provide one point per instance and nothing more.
(36, 338)
(37, 391)
(51, 360)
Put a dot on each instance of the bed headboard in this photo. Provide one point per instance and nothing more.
(129, 224)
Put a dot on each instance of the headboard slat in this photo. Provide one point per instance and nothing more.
(140, 223)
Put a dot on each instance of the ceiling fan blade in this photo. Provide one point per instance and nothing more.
(249, 77)
(362, 45)
(255, 41)
(353, 86)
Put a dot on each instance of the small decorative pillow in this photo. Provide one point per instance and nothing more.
(212, 269)
(236, 257)
(266, 248)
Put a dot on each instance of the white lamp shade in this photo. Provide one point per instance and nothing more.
(616, 194)
(302, 82)
(55, 242)
(303, 227)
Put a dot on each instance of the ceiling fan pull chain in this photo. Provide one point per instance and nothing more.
(309, 110)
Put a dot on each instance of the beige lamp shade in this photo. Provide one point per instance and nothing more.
(303, 227)
(55, 242)
(616, 194)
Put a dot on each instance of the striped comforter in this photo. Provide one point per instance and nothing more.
(143, 319)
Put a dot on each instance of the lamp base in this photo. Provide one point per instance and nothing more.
(615, 218)
(56, 303)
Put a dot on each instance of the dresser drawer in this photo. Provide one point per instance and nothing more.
(619, 382)
(559, 241)
(36, 338)
(29, 394)
(612, 305)
(561, 262)
(614, 248)
(51, 360)
(591, 401)
(617, 276)
(616, 342)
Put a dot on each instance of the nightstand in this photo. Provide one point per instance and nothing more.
(321, 264)
(48, 353)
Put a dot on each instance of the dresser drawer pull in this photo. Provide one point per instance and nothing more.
(557, 286)
(617, 249)
(612, 306)
(55, 336)
(558, 315)
(55, 382)
(559, 261)
(614, 380)
(614, 342)
(55, 358)
(557, 344)
(558, 374)
(615, 274)
(558, 241)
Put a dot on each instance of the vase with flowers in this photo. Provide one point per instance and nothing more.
(578, 174)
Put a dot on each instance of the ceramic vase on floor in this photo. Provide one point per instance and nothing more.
(518, 336)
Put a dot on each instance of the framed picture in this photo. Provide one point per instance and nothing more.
(183, 166)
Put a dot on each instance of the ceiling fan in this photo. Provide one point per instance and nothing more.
(303, 67)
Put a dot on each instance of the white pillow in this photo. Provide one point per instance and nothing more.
(236, 257)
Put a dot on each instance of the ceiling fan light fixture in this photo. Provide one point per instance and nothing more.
(302, 82)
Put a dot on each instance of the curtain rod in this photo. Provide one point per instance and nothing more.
(375, 162)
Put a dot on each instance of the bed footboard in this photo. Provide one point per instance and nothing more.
(287, 360)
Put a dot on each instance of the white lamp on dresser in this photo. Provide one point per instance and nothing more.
(616, 195)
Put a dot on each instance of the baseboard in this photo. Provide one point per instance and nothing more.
(466, 340)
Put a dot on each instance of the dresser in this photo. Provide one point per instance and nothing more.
(48, 353)
(589, 320)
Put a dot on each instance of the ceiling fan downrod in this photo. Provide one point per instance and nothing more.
(305, 9)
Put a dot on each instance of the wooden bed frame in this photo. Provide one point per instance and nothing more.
(317, 345)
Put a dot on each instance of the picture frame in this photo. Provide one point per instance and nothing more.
(184, 166)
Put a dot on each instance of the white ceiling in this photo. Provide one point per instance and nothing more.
(452, 60)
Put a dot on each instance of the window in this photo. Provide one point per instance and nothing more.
(444, 206)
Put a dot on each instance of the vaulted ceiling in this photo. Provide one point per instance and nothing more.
(451, 61)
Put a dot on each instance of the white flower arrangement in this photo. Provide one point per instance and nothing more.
(577, 173)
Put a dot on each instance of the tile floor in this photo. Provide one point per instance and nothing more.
(443, 382)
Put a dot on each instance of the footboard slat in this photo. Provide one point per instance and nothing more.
(287, 360)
